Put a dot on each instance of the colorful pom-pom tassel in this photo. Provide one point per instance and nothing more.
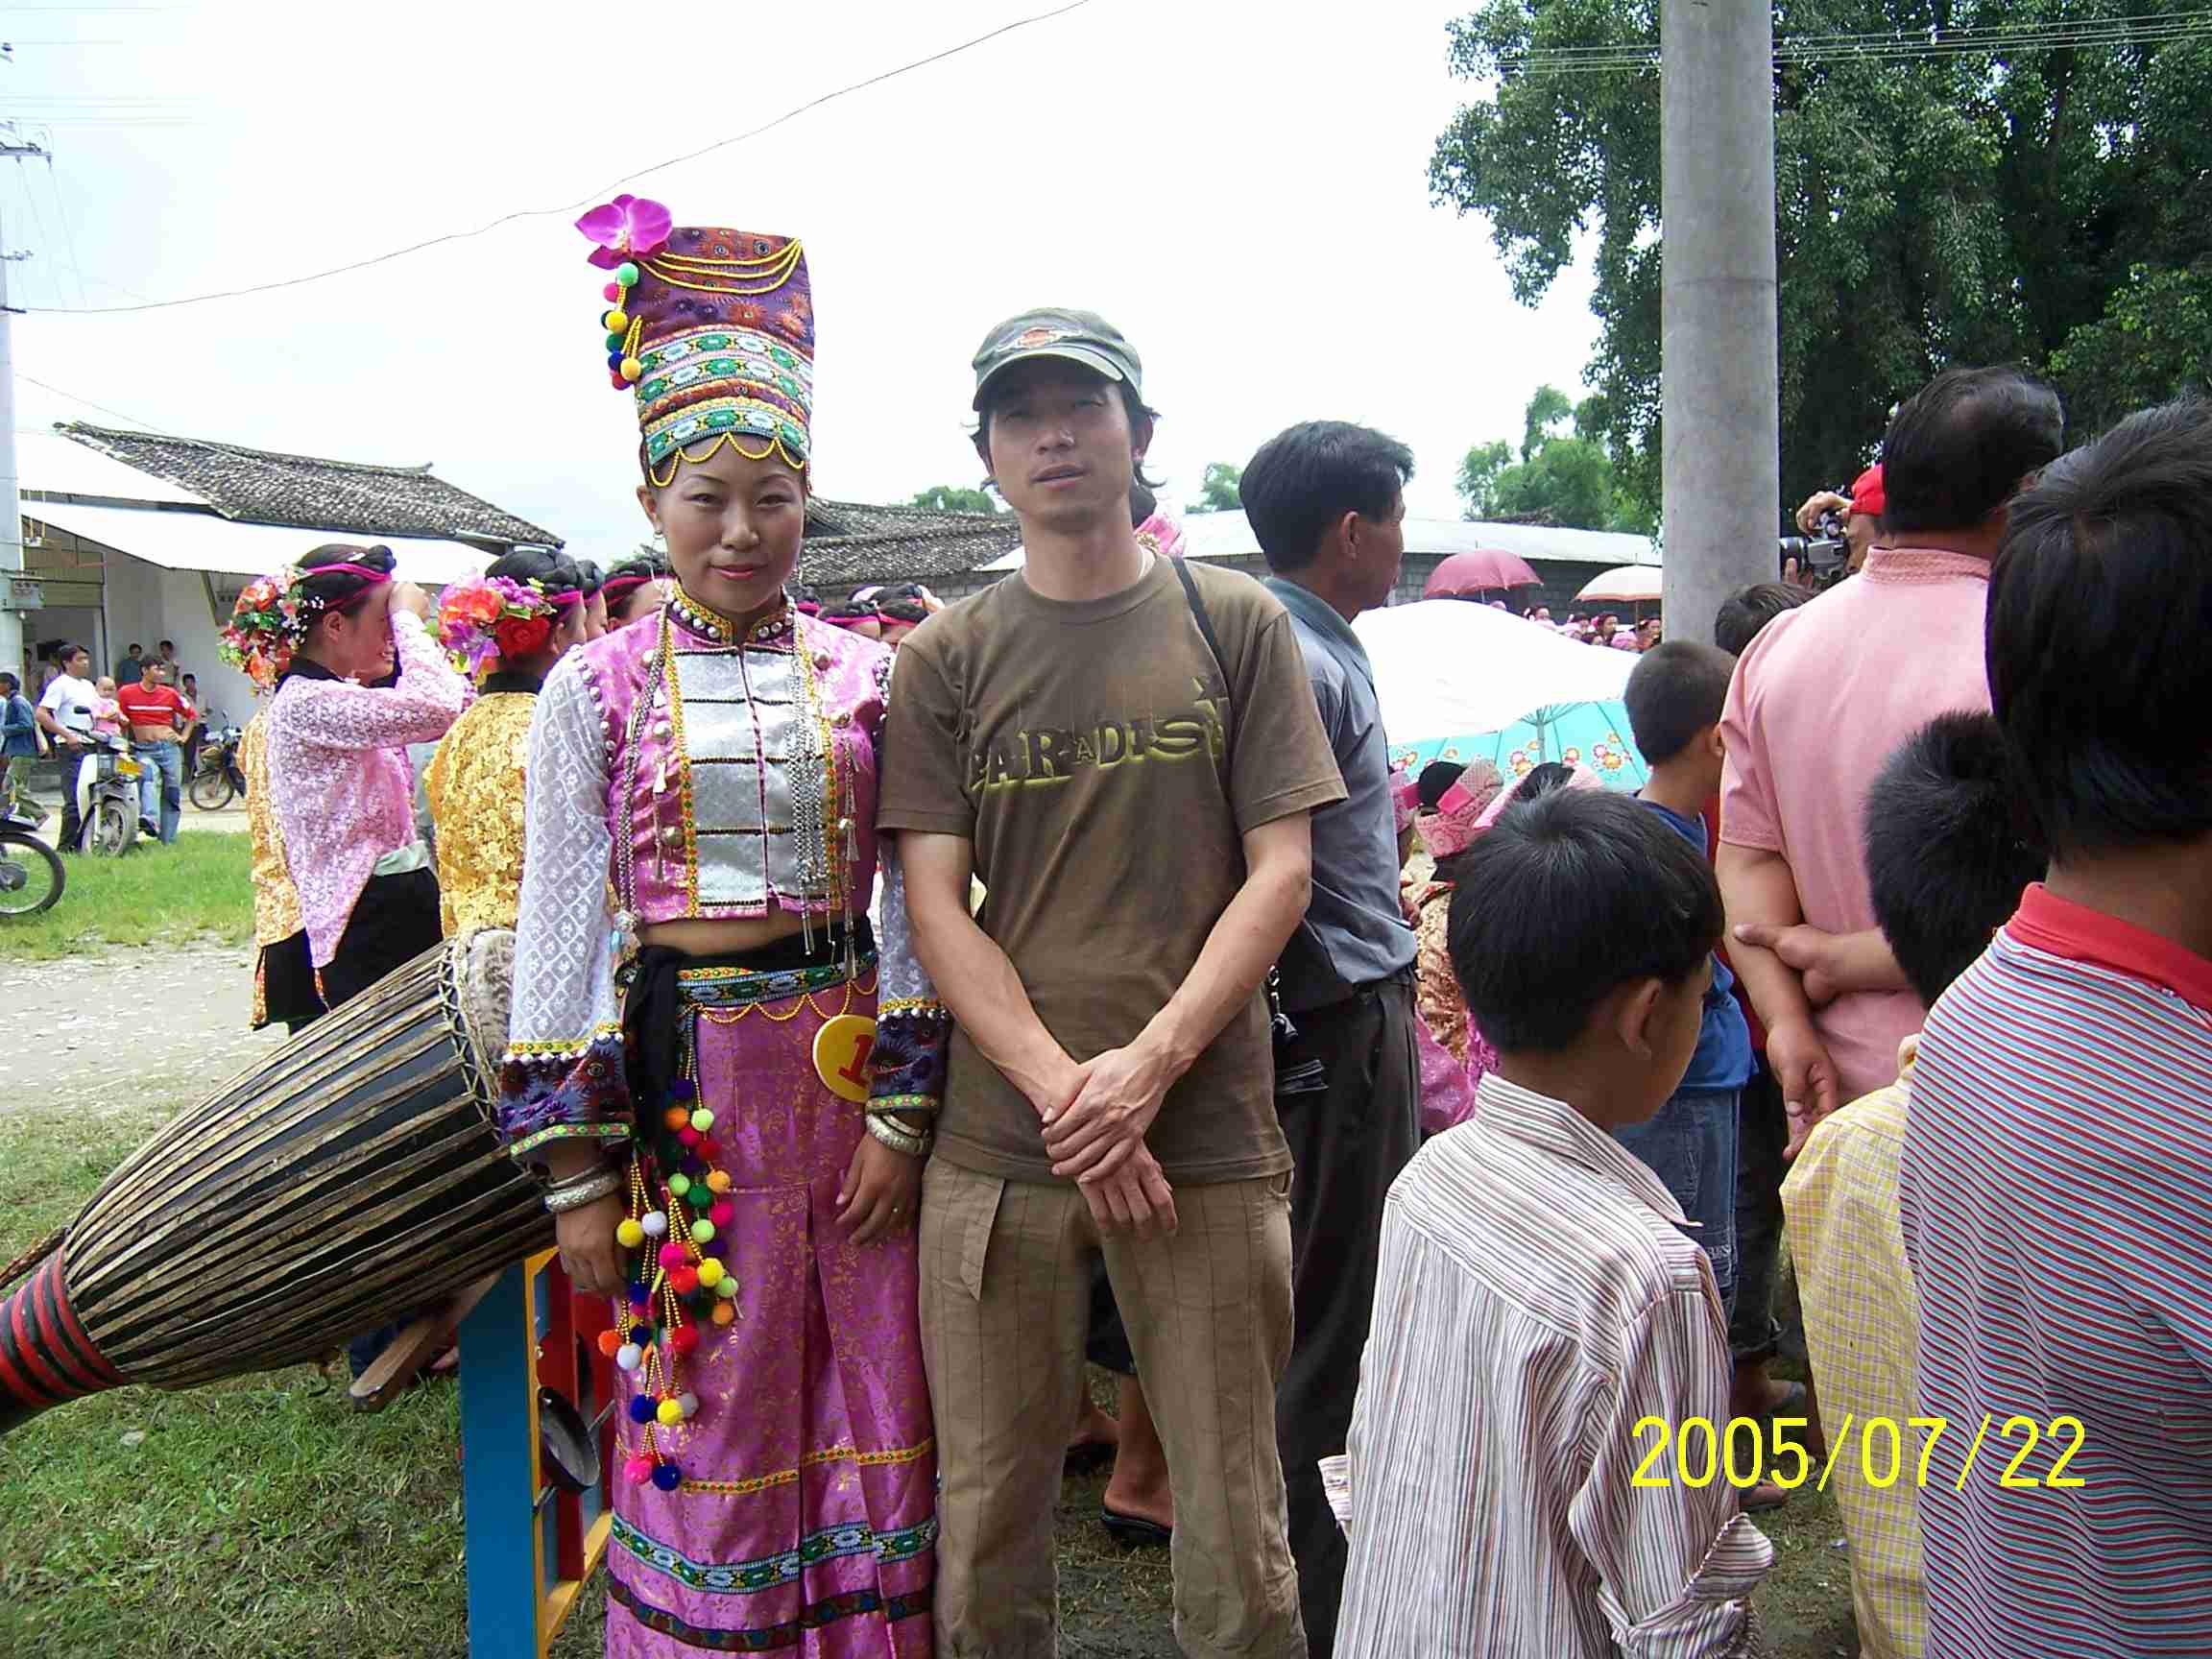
(628, 1234)
(641, 1408)
(676, 1118)
(701, 1232)
(683, 1089)
(722, 1212)
(728, 1285)
(669, 1413)
(725, 1311)
(639, 1470)
(711, 1149)
(668, 1476)
(686, 1137)
(640, 1333)
(684, 1281)
(613, 293)
(703, 1120)
(680, 1183)
(710, 1272)
(673, 1256)
(631, 370)
(690, 1404)
(628, 1356)
(655, 1223)
(626, 274)
(610, 1342)
(684, 1338)
(718, 1181)
(617, 321)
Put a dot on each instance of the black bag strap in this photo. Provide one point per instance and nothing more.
(1278, 1022)
(1214, 645)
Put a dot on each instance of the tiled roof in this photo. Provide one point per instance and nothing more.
(848, 544)
(262, 487)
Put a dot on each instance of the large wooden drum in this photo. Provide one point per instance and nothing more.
(350, 1176)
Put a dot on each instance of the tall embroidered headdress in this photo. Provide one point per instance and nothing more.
(712, 330)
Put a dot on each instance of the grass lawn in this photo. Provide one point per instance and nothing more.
(201, 888)
(264, 1518)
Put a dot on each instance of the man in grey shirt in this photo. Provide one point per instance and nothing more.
(1326, 502)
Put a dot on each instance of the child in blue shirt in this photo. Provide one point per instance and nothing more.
(1674, 699)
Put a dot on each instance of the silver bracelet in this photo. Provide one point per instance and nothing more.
(583, 1176)
(574, 1195)
(910, 1143)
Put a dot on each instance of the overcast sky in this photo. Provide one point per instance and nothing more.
(1241, 189)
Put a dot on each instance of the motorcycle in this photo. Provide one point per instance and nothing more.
(217, 777)
(111, 800)
(32, 873)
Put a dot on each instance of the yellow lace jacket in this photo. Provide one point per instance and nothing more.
(476, 790)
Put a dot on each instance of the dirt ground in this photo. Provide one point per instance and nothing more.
(107, 1031)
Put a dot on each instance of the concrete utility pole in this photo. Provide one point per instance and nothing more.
(1720, 464)
(10, 478)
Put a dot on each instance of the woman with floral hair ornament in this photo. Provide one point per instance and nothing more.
(327, 634)
(505, 629)
(736, 1142)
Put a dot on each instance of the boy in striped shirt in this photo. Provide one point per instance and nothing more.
(2056, 1182)
(1538, 1308)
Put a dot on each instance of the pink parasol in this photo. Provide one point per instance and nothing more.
(1486, 569)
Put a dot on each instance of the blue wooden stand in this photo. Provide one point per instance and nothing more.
(525, 1334)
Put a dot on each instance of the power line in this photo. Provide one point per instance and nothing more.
(1886, 48)
(90, 404)
(605, 190)
(37, 224)
(62, 209)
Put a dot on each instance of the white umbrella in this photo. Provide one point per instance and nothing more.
(1625, 585)
(1444, 668)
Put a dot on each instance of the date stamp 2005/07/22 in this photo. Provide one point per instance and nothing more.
(1745, 1451)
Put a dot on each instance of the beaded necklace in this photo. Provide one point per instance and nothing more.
(677, 1193)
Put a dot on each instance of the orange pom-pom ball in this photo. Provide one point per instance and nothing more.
(609, 1342)
(717, 1180)
(725, 1311)
(676, 1118)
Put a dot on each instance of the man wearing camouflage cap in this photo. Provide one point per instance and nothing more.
(1125, 750)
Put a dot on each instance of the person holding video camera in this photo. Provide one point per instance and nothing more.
(1827, 517)
(1820, 699)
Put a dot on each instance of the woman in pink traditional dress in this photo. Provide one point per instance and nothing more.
(357, 678)
(735, 1149)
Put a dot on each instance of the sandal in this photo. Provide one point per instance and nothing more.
(1134, 1530)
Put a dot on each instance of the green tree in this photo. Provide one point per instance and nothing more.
(1563, 478)
(1218, 491)
(2008, 201)
(951, 498)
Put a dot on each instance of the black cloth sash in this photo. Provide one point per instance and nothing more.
(652, 1008)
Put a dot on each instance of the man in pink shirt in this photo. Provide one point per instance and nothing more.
(1819, 701)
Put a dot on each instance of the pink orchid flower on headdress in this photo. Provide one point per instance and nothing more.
(626, 228)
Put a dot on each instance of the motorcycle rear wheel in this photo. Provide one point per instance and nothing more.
(112, 830)
(31, 875)
(212, 789)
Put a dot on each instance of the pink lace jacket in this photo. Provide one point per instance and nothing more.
(746, 784)
(339, 777)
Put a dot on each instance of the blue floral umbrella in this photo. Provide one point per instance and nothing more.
(1595, 734)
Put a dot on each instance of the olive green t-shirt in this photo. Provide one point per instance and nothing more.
(1081, 746)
